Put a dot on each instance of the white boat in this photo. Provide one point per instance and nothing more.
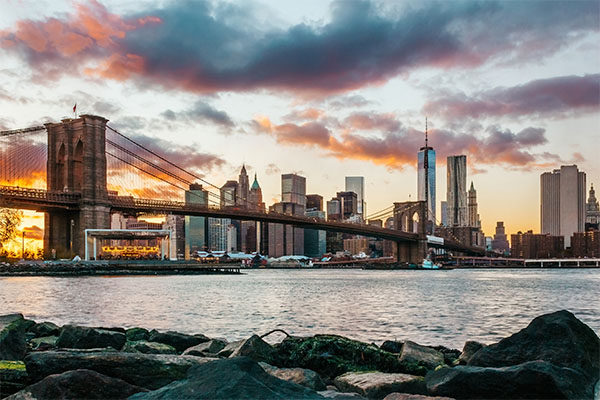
(428, 264)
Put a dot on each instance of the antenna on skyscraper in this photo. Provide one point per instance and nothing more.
(425, 132)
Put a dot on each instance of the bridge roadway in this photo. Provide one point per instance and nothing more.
(42, 200)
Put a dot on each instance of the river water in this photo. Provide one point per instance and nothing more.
(429, 307)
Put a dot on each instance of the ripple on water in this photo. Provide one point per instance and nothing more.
(432, 307)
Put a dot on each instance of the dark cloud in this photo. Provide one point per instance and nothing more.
(553, 97)
(350, 101)
(200, 112)
(207, 48)
(371, 121)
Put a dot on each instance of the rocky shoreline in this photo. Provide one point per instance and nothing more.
(555, 357)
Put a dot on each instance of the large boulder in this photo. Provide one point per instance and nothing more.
(178, 340)
(43, 329)
(301, 376)
(470, 348)
(143, 346)
(13, 344)
(146, 370)
(210, 348)
(419, 359)
(135, 334)
(531, 380)
(559, 338)
(43, 343)
(77, 384)
(392, 346)
(230, 348)
(257, 349)
(13, 377)
(376, 385)
(233, 378)
(81, 337)
(332, 355)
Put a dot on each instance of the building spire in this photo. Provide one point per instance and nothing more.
(425, 132)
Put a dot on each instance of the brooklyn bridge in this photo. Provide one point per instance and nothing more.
(81, 170)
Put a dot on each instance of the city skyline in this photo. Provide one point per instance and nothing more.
(513, 117)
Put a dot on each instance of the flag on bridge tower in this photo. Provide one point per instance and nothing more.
(75, 109)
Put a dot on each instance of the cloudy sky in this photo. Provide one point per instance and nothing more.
(324, 89)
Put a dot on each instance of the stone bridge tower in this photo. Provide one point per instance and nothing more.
(76, 164)
(409, 216)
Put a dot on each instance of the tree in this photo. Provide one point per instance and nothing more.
(10, 219)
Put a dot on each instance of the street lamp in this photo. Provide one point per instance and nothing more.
(23, 245)
(71, 236)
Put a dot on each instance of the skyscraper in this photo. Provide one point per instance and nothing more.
(562, 206)
(314, 202)
(293, 189)
(500, 241)
(195, 229)
(592, 211)
(356, 184)
(426, 174)
(444, 212)
(472, 207)
(456, 193)
(243, 188)
(255, 199)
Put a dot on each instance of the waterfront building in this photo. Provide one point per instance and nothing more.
(356, 246)
(349, 204)
(356, 184)
(592, 211)
(176, 224)
(229, 194)
(195, 227)
(444, 212)
(536, 245)
(217, 234)
(118, 221)
(293, 189)
(243, 189)
(472, 207)
(562, 206)
(456, 193)
(334, 209)
(422, 173)
(134, 223)
(315, 241)
(314, 202)
(586, 244)
(500, 241)
(286, 240)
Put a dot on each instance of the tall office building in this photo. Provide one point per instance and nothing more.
(293, 189)
(334, 209)
(229, 193)
(472, 207)
(456, 193)
(500, 241)
(195, 227)
(356, 184)
(255, 198)
(562, 208)
(349, 204)
(444, 212)
(243, 188)
(430, 172)
(314, 202)
(218, 234)
(315, 241)
(592, 211)
(176, 224)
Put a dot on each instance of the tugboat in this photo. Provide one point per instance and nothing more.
(428, 264)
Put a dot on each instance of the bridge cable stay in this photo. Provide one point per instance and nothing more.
(23, 158)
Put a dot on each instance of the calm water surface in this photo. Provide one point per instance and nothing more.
(429, 307)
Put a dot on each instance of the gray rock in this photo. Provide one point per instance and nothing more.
(470, 348)
(232, 378)
(212, 347)
(178, 340)
(135, 334)
(301, 376)
(407, 396)
(392, 346)
(80, 337)
(12, 337)
(230, 348)
(77, 384)
(257, 349)
(415, 355)
(337, 395)
(143, 346)
(146, 370)
(531, 380)
(44, 343)
(44, 329)
(559, 338)
(376, 385)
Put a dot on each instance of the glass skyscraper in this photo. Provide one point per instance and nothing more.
(430, 180)
(356, 184)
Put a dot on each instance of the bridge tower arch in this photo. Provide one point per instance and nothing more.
(409, 217)
(76, 164)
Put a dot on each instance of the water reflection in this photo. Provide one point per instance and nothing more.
(430, 307)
